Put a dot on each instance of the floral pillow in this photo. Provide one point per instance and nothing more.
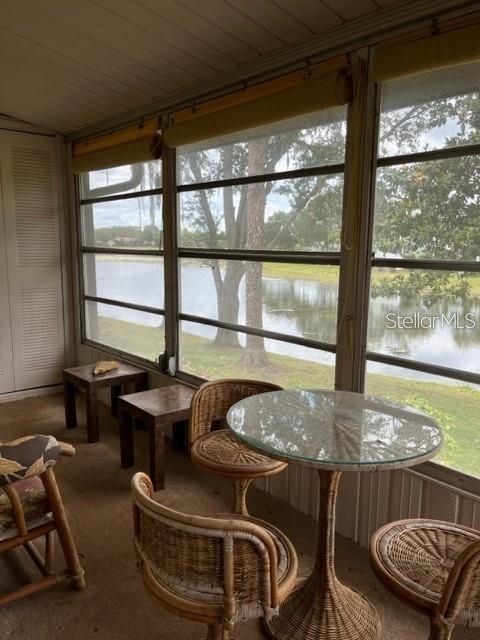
(26, 457)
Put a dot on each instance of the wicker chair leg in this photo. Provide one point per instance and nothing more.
(218, 632)
(63, 529)
(240, 496)
(440, 629)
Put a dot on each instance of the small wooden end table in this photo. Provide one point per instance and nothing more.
(82, 378)
(157, 408)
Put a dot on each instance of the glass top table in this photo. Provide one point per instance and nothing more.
(333, 431)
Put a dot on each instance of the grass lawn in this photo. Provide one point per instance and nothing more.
(456, 408)
(328, 274)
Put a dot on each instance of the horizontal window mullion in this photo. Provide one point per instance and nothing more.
(263, 333)
(294, 257)
(126, 252)
(265, 177)
(125, 305)
(430, 265)
(122, 196)
(433, 369)
(428, 156)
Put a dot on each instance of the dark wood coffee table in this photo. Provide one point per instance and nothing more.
(81, 378)
(157, 409)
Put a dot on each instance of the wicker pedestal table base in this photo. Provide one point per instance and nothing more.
(322, 608)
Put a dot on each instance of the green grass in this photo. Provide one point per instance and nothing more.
(328, 274)
(456, 408)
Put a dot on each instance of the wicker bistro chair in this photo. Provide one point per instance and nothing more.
(217, 570)
(31, 507)
(218, 451)
(434, 566)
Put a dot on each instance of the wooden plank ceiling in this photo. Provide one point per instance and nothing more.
(67, 64)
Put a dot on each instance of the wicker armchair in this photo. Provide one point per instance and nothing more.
(219, 452)
(434, 566)
(216, 570)
(31, 507)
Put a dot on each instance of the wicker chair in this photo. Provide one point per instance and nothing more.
(434, 566)
(219, 452)
(31, 507)
(217, 570)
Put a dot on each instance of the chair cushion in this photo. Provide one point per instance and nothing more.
(26, 457)
(35, 507)
(414, 557)
(220, 452)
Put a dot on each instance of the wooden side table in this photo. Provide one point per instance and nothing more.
(82, 378)
(157, 408)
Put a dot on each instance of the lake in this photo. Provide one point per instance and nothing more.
(300, 308)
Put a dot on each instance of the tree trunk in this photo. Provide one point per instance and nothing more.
(255, 355)
(228, 301)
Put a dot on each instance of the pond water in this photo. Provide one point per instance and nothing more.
(305, 308)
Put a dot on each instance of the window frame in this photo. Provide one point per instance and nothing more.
(248, 255)
(469, 266)
(431, 469)
(85, 249)
(363, 258)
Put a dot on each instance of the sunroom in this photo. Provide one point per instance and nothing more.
(240, 295)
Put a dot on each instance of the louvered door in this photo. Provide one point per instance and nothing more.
(6, 354)
(31, 215)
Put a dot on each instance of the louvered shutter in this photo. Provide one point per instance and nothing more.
(31, 212)
(6, 353)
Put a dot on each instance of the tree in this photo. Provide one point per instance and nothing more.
(238, 224)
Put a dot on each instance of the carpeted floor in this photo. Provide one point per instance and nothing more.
(115, 605)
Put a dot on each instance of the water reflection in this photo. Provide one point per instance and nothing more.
(334, 427)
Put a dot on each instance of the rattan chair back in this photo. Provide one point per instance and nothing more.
(212, 400)
(216, 570)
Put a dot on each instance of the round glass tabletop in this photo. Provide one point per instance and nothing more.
(335, 429)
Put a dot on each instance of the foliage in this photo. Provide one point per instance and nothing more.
(128, 235)
(431, 285)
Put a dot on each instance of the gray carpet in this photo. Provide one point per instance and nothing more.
(115, 605)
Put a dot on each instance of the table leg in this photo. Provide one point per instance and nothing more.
(70, 406)
(156, 436)
(141, 383)
(92, 415)
(323, 607)
(180, 436)
(115, 392)
(127, 455)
